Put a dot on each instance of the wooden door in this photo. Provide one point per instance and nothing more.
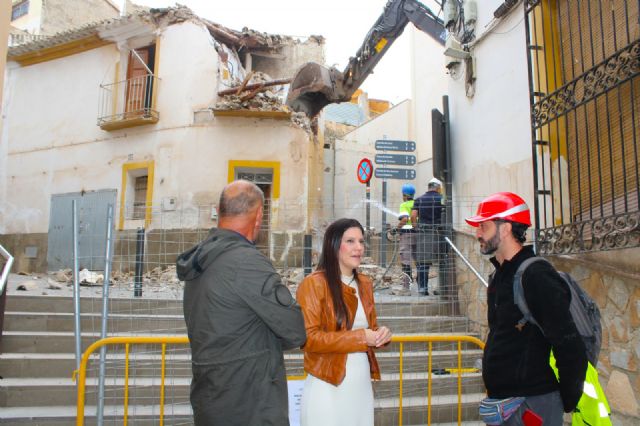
(139, 81)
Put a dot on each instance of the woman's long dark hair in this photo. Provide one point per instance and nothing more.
(330, 265)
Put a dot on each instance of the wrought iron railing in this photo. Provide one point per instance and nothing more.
(18, 39)
(584, 75)
(128, 99)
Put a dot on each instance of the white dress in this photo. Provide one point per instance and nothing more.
(351, 402)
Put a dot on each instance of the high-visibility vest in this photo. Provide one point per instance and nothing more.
(593, 408)
(405, 210)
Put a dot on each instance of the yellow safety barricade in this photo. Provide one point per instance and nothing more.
(81, 374)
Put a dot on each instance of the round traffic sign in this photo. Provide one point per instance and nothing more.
(365, 170)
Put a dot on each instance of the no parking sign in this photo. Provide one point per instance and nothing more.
(364, 170)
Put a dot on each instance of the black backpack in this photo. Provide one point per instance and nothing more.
(584, 310)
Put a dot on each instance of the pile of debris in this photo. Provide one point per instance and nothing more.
(157, 277)
(255, 93)
(389, 280)
(262, 101)
(385, 280)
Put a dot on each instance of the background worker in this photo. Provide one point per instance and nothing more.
(407, 247)
(240, 317)
(426, 217)
(515, 362)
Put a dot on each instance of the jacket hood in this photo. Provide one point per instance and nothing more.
(193, 262)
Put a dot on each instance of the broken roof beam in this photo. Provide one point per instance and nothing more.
(234, 90)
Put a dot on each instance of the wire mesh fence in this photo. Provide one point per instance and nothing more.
(145, 298)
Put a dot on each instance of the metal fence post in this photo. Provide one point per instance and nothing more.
(137, 288)
(306, 254)
(383, 239)
(105, 316)
(76, 284)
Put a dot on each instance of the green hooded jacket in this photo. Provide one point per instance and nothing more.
(240, 317)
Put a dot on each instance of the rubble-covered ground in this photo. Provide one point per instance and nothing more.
(162, 283)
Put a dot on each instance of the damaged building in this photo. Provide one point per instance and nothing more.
(153, 113)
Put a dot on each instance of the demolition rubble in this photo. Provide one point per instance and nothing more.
(258, 92)
(162, 282)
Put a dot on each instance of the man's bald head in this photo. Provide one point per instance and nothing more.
(239, 198)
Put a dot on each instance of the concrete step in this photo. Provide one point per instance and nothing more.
(49, 365)
(174, 324)
(64, 342)
(409, 306)
(26, 392)
(386, 413)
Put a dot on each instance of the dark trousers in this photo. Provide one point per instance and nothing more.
(547, 407)
(423, 278)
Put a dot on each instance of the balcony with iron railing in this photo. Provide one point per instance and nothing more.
(128, 103)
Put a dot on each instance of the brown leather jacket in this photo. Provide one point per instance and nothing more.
(326, 349)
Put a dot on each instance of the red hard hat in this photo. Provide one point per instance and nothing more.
(501, 205)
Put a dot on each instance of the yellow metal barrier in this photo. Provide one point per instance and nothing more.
(81, 375)
(429, 340)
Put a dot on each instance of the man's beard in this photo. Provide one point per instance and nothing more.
(490, 246)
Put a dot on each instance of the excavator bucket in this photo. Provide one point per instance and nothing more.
(313, 87)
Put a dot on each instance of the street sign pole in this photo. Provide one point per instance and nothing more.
(383, 236)
(368, 218)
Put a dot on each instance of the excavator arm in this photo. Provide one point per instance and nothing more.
(314, 86)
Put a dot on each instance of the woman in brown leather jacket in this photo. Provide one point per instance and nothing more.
(340, 320)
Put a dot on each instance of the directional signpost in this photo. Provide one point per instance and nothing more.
(396, 159)
(389, 145)
(385, 173)
(389, 173)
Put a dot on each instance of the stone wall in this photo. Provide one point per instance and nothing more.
(28, 250)
(617, 293)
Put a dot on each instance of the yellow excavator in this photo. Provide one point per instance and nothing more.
(315, 86)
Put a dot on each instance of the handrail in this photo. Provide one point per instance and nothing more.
(6, 269)
(81, 374)
(464, 259)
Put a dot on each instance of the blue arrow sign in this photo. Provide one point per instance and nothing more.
(396, 159)
(389, 145)
(388, 173)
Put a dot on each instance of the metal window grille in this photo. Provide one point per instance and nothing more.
(140, 197)
(584, 78)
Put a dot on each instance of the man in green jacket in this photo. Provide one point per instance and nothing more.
(240, 317)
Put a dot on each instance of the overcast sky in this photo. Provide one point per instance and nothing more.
(343, 23)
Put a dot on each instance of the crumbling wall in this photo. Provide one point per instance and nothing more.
(289, 57)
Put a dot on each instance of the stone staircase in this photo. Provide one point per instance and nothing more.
(37, 362)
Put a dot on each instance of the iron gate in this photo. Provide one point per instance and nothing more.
(584, 79)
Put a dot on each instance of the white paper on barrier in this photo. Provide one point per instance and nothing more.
(295, 388)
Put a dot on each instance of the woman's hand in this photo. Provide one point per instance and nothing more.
(383, 336)
(377, 338)
(370, 336)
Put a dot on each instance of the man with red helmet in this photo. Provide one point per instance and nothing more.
(515, 362)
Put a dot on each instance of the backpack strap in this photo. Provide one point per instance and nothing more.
(518, 293)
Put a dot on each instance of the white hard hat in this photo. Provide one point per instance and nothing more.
(435, 182)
